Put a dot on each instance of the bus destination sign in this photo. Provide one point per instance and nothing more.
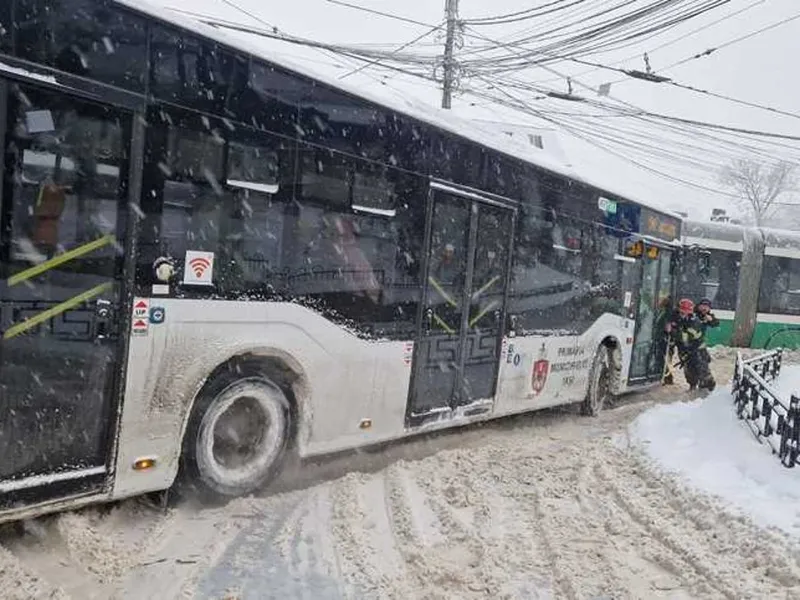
(660, 226)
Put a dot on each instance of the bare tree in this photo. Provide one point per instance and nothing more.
(758, 186)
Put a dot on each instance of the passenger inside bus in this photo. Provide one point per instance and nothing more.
(446, 271)
(353, 259)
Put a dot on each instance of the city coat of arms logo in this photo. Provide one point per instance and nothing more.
(541, 367)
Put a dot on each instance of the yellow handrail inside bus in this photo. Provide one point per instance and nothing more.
(491, 306)
(60, 259)
(438, 287)
(443, 324)
(490, 283)
(54, 311)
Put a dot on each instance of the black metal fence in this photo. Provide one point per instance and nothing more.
(771, 419)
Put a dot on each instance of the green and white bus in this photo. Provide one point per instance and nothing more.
(209, 257)
(711, 268)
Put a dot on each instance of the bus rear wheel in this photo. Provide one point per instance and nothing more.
(236, 438)
(599, 390)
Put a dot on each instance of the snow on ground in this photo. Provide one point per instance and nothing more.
(705, 444)
(546, 505)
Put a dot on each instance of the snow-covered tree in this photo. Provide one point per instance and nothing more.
(758, 186)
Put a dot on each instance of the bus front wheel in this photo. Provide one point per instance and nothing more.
(599, 383)
(236, 438)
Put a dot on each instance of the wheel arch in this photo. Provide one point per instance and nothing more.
(280, 367)
(613, 346)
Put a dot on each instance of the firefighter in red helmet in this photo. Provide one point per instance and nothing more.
(688, 335)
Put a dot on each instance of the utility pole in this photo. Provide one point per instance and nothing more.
(451, 14)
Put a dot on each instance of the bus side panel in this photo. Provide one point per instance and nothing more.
(526, 385)
(721, 336)
(776, 331)
(344, 380)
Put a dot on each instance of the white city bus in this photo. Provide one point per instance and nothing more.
(208, 258)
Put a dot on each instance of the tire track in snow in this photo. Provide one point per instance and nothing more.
(700, 532)
(571, 533)
(372, 565)
(731, 532)
(88, 551)
(476, 557)
(681, 536)
(24, 582)
(186, 541)
(421, 538)
(560, 578)
(450, 496)
(653, 527)
(668, 571)
(307, 543)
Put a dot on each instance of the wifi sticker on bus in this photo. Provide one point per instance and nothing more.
(198, 268)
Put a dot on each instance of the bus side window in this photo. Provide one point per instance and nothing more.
(6, 27)
(93, 39)
(551, 288)
(780, 286)
(356, 241)
(214, 193)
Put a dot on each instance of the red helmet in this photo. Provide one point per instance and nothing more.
(686, 306)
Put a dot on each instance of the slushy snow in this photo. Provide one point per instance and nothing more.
(540, 506)
(708, 447)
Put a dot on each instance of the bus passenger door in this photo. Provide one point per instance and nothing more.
(653, 306)
(456, 357)
(63, 198)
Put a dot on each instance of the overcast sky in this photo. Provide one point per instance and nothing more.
(761, 69)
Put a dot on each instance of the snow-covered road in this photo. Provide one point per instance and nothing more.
(549, 505)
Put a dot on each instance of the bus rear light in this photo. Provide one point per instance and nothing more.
(144, 464)
(365, 424)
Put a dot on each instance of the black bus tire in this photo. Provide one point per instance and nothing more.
(599, 388)
(236, 438)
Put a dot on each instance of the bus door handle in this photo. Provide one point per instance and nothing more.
(103, 314)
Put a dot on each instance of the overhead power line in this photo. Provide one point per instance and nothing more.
(606, 30)
(650, 77)
(727, 44)
(521, 105)
(650, 51)
(716, 141)
(381, 59)
(379, 13)
(658, 115)
(393, 52)
(523, 15)
(352, 53)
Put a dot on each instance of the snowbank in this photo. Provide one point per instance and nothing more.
(708, 447)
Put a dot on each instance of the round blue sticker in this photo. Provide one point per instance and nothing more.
(157, 315)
